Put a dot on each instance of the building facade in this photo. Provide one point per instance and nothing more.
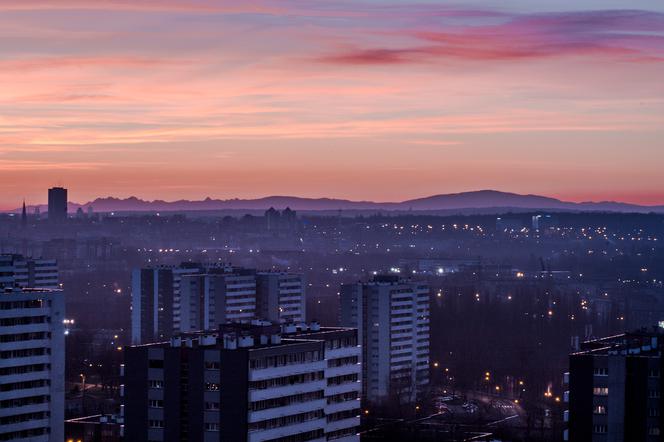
(57, 204)
(32, 365)
(615, 389)
(19, 271)
(209, 300)
(280, 296)
(253, 382)
(392, 317)
(172, 299)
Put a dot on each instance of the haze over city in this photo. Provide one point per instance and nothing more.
(366, 100)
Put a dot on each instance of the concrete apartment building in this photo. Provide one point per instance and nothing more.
(167, 300)
(392, 317)
(255, 382)
(615, 389)
(32, 365)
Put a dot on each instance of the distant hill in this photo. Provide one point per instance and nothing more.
(482, 199)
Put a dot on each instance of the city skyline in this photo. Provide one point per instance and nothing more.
(364, 100)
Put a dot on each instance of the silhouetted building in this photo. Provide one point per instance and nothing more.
(32, 365)
(283, 221)
(57, 204)
(253, 382)
(19, 271)
(392, 317)
(615, 389)
(24, 216)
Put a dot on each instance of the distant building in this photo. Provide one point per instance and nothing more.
(155, 301)
(615, 389)
(32, 365)
(19, 271)
(280, 296)
(209, 300)
(190, 297)
(57, 204)
(24, 216)
(286, 220)
(392, 317)
(245, 382)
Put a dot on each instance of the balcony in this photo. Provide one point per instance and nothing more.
(342, 406)
(286, 390)
(296, 408)
(286, 370)
(343, 423)
(289, 430)
(343, 370)
(348, 387)
(342, 352)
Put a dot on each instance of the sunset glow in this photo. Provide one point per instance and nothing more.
(382, 100)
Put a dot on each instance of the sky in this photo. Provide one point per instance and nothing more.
(363, 99)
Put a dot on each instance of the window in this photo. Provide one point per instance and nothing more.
(210, 386)
(211, 427)
(653, 412)
(211, 365)
(156, 363)
(155, 423)
(600, 429)
(156, 384)
(653, 431)
(654, 394)
(653, 373)
(601, 371)
(601, 391)
(211, 406)
(599, 409)
(156, 403)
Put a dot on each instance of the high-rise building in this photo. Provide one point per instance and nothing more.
(252, 382)
(280, 296)
(193, 296)
(31, 365)
(155, 301)
(57, 204)
(615, 389)
(392, 317)
(209, 300)
(19, 271)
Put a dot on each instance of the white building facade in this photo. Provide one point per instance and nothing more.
(392, 318)
(32, 365)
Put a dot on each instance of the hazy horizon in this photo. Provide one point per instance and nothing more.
(322, 197)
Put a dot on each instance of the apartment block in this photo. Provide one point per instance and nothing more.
(253, 382)
(32, 365)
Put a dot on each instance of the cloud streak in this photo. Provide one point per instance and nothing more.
(617, 35)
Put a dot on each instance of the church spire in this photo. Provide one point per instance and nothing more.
(24, 215)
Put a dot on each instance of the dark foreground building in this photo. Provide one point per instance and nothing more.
(253, 382)
(615, 389)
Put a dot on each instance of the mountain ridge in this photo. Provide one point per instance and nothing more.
(479, 199)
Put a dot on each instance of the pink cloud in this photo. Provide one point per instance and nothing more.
(625, 35)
